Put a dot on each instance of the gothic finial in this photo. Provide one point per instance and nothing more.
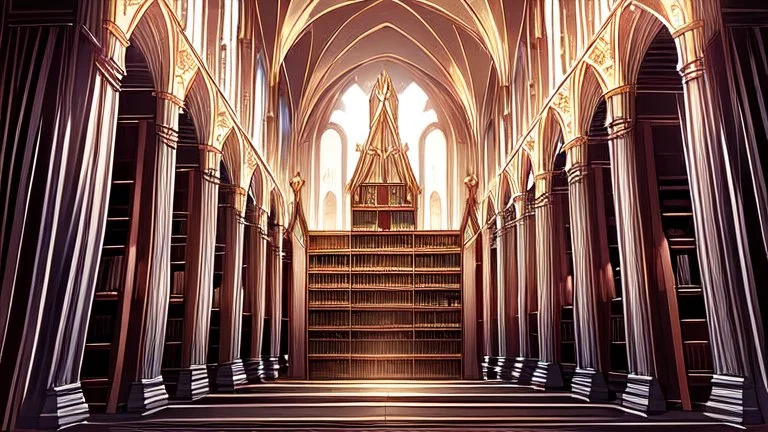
(296, 184)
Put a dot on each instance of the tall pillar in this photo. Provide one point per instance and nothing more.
(230, 371)
(193, 378)
(272, 364)
(87, 112)
(150, 303)
(489, 360)
(588, 381)
(524, 366)
(507, 262)
(643, 391)
(733, 395)
(548, 373)
(501, 295)
(256, 283)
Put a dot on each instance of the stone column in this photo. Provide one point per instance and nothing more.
(548, 374)
(508, 265)
(733, 396)
(201, 245)
(524, 366)
(643, 391)
(272, 364)
(230, 371)
(88, 102)
(588, 381)
(501, 296)
(256, 283)
(153, 285)
(489, 370)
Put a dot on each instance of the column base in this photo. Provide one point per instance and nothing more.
(63, 406)
(733, 399)
(284, 364)
(522, 370)
(147, 394)
(590, 385)
(506, 364)
(193, 383)
(254, 370)
(490, 368)
(548, 376)
(271, 368)
(643, 393)
(230, 375)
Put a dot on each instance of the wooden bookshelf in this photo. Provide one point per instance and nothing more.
(111, 300)
(384, 306)
(618, 364)
(676, 214)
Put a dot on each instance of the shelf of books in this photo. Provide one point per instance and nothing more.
(110, 300)
(383, 305)
(383, 207)
(677, 222)
(174, 329)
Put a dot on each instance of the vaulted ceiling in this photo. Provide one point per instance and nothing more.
(457, 50)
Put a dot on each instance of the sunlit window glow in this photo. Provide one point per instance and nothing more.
(353, 118)
(435, 174)
(330, 179)
(414, 120)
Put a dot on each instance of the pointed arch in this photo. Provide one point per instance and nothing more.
(153, 36)
(505, 191)
(591, 90)
(199, 101)
(231, 157)
(636, 29)
(551, 132)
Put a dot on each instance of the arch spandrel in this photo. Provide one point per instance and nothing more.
(185, 68)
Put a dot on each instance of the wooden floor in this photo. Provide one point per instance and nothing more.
(397, 405)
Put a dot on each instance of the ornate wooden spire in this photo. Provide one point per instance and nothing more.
(383, 158)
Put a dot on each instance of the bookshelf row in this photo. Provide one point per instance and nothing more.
(419, 298)
(385, 347)
(384, 280)
(323, 369)
(451, 261)
(382, 195)
(383, 220)
(396, 318)
(383, 241)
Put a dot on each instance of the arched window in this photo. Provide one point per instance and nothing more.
(435, 174)
(260, 101)
(353, 118)
(330, 177)
(435, 211)
(194, 23)
(330, 211)
(414, 119)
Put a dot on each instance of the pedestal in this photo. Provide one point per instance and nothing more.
(147, 394)
(63, 406)
(548, 376)
(193, 383)
(254, 370)
(733, 399)
(590, 385)
(644, 394)
(271, 368)
(522, 370)
(229, 376)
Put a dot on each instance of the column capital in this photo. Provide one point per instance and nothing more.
(621, 107)
(576, 153)
(690, 44)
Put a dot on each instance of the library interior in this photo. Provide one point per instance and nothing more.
(433, 215)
